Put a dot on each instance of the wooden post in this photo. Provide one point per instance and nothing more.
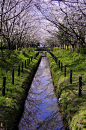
(1, 44)
(34, 56)
(65, 70)
(72, 47)
(22, 67)
(13, 76)
(57, 60)
(61, 66)
(53, 57)
(59, 63)
(25, 63)
(4, 83)
(38, 53)
(16, 47)
(29, 60)
(80, 85)
(70, 76)
(19, 70)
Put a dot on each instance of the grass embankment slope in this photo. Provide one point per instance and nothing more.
(12, 103)
(73, 107)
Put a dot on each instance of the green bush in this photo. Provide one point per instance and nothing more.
(81, 50)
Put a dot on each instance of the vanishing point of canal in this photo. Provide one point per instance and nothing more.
(41, 111)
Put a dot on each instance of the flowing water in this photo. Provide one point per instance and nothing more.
(41, 110)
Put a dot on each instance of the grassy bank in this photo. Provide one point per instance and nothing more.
(11, 104)
(73, 107)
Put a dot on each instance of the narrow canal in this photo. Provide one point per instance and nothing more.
(41, 110)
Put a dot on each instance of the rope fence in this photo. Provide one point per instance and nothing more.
(19, 70)
(11, 78)
(60, 65)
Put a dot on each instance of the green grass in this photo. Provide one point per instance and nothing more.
(73, 107)
(11, 103)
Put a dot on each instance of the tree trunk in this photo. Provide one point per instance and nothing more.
(8, 40)
(72, 47)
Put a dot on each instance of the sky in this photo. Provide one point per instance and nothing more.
(38, 20)
(52, 10)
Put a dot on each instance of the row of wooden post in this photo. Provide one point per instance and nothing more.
(22, 66)
(61, 66)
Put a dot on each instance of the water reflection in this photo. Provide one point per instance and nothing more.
(41, 110)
